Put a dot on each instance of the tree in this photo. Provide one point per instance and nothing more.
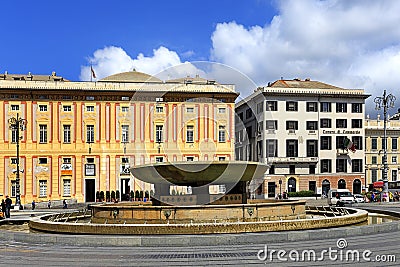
(101, 195)
(97, 196)
(117, 194)
(132, 195)
(112, 195)
(137, 195)
(108, 196)
(141, 195)
(147, 194)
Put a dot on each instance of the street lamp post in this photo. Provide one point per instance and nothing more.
(385, 102)
(17, 124)
(280, 188)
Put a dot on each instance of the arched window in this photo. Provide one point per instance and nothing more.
(291, 184)
(326, 186)
(341, 184)
(356, 186)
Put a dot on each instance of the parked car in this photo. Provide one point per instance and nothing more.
(340, 197)
(359, 198)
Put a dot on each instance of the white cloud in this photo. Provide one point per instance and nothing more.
(111, 60)
(353, 44)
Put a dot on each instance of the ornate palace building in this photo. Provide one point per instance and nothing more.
(82, 137)
(310, 133)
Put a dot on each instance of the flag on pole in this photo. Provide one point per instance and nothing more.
(349, 145)
(93, 74)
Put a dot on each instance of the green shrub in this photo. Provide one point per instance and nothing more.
(304, 193)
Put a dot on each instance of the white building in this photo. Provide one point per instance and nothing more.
(300, 128)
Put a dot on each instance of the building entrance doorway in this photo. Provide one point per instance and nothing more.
(125, 189)
(90, 190)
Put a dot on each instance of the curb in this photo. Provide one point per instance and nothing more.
(201, 240)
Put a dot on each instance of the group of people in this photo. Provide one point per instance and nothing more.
(392, 197)
(6, 206)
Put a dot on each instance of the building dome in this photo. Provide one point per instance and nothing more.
(131, 77)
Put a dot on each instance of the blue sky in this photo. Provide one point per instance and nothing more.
(352, 44)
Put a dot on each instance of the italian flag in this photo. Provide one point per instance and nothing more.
(349, 145)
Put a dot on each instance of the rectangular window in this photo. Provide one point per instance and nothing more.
(272, 148)
(394, 175)
(357, 141)
(90, 108)
(312, 106)
(159, 159)
(221, 134)
(341, 123)
(341, 107)
(241, 116)
(221, 158)
(67, 160)
(374, 175)
(356, 108)
(272, 170)
(221, 110)
(374, 143)
(67, 187)
(271, 124)
(312, 125)
(42, 160)
(67, 133)
(384, 142)
(42, 188)
(340, 142)
(326, 165)
(189, 110)
(43, 133)
(14, 107)
(291, 148)
(292, 125)
(13, 160)
(356, 165)
(394, 159)
(272, 106)
(67, 108)
(394, 143)
(125, 109)
(42, 107)
(374, 160)
(249, 114)
(89, 134)
(325, 107)
(190, 158)
(125, 133)
(291, 106)
(356, 123)
(190, 134)
(312, 148)
(326, 123)
(159, 133)
(159, 109)
(326, 142)
(341, 165)
(311, 169)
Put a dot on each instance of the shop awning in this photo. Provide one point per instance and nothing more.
(378, 184)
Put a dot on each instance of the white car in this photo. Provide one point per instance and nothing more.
(359, 198)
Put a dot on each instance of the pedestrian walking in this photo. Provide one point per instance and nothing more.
(8, 206)
(65, 205)
(49, 204)
(33, 204)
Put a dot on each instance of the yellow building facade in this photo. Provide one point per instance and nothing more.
(82, 137)
(374, 140)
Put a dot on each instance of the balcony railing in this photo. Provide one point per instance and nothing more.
(293, 159)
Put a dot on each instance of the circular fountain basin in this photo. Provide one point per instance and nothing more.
(199, 172)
